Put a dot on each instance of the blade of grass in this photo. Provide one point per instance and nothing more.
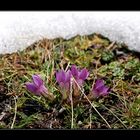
(12, 126)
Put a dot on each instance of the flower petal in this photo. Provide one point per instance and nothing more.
(99, 83)
(105, 91)
(67, 76)
(37, 80)
(43, 89)
(60, 76)
(74, 71)
(83, 74)
(31, 87)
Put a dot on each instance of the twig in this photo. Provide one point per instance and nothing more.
(111, 45)
(15, 113)
(67, 66)
(92, 105)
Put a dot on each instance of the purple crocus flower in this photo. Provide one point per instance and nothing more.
(37, 86)
(79, 75)
(99, 89)
(63, 79)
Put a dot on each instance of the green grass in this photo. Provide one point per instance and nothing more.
(111, 61)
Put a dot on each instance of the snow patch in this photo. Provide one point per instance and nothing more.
(18, 30)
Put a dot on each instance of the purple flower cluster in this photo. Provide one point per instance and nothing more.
(64, 80)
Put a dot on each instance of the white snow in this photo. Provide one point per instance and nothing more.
(18, 30)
